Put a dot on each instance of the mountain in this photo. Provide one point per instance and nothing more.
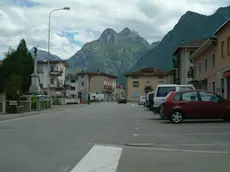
(154, 44)
(190, 27)
(113, 52)
(42, 55)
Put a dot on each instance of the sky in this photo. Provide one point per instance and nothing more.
(86, 20)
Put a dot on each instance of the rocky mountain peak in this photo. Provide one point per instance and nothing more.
(108, 36)
(125, 31)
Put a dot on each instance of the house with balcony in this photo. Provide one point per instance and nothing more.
(97, 83)
(142, 81)
(181, 62)
(52, 78)
(72, 86)
(204, 69)
(212, 62)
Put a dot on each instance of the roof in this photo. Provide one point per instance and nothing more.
(53, 62)
(98, 73)
(193, 44)
(221, 27)
(203, 47)
(147, 71)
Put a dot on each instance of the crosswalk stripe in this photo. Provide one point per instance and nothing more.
(99, 159)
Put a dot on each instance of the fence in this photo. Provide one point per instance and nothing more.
(26, 103)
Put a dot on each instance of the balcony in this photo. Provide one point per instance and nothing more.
(54, 72)
(108, 89)
(190, 73)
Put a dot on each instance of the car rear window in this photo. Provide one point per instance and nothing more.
(163, 91)
(177, 96)
(186, 88)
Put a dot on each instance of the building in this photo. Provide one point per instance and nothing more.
(97, 83)
(204, 70)
(139, 81)
(222, 60)
(212, 62)
(172, 77)
(53, 77)
(182, 61)
(72, 86)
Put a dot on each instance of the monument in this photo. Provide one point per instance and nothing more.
(35, 87)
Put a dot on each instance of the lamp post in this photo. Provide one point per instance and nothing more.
(60, 9)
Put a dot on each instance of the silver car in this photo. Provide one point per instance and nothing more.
(141, 100)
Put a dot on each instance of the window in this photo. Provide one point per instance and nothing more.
(207, 97)
(82, 83)
(82, 76)
(228, 45)
(160, 82)
(199, 67)
(163, 91)
(202, 66)
(213, 60)
(136, 94)
(205, 64)
(222, 86)
(72, 88)
(194, 73)
(189, 96)
(135, 77)
(177, 96)
(72, 81)
(136, 84)
(213, 87)
(51, 81)
(148, 83)
(222, 49)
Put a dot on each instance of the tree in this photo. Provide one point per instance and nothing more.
(148, 89)
(17, 64)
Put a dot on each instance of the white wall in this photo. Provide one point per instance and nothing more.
(45, 76)
(184, 66)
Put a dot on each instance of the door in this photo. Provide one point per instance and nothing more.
(212, 106)
(190, 104)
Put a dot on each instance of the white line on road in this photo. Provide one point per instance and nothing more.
(136, 128)
(181, 134)
(181, 150)
(99, 159)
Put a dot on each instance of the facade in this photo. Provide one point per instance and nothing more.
(53, 77)
(97, 82)
(138, 81)
(204, 70)
(72, 86)
(212, 62)
(182, 61)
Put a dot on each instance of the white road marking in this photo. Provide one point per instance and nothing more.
(181, 150)
(136, 128)
(182, 134)
(99, 159)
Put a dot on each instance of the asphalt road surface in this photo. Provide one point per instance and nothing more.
(109, 137)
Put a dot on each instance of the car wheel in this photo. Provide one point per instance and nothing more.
(177, 117)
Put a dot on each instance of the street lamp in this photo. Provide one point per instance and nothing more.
(65, 8)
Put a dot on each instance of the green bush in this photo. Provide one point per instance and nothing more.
(33, 102)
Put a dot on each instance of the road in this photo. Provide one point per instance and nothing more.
(109, 137)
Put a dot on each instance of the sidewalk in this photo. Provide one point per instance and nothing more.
(53, 109)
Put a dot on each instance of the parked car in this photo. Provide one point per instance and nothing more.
(147, 99)
(141, 100)
(194, 104)
(163, 90)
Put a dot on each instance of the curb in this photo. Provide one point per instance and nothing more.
(139, 144)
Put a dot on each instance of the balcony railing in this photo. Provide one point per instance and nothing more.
(54, 72)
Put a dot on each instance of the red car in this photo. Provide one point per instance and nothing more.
(194, 104)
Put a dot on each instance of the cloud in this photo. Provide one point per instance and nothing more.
(87, 19)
